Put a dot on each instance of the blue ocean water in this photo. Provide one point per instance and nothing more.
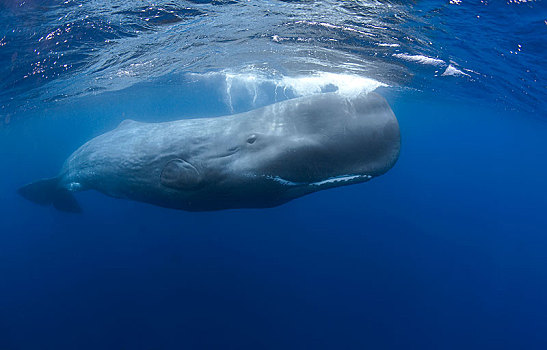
(448, 250)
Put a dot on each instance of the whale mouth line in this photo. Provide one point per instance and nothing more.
(343, 178)
(229, 152)
(328, 181)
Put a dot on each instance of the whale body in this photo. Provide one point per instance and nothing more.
(257, 159)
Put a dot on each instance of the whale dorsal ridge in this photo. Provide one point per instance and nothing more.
(127, 123)
(180, 175)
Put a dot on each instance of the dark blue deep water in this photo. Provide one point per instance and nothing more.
(448, 250)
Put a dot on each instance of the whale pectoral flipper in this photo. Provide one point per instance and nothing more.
(48, 192)
(181, 175)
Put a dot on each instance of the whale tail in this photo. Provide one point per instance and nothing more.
(48, 192)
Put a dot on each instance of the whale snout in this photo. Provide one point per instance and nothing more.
(378, 131)
(392, 135)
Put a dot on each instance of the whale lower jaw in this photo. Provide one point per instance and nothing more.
(329, 182)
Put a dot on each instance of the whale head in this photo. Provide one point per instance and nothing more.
(320, 138)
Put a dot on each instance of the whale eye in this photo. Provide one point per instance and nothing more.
(251, 139)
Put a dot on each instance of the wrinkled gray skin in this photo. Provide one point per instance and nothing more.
(257, 159)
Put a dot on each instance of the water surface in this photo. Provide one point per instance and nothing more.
(445, 251)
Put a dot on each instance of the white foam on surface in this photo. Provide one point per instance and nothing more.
(254, 85)
(420, 59)
(453, 71)
(334, 26)
(450, 68)
(345, 84)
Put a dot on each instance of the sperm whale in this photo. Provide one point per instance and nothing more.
(257, 159)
